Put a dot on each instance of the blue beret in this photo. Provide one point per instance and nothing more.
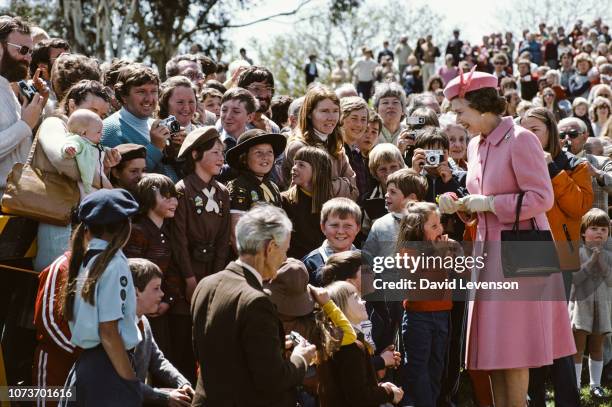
(107, 206)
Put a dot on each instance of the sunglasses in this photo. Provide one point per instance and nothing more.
(23, 50)
(571, 133)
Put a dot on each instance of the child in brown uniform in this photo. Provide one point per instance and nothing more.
(200, 232)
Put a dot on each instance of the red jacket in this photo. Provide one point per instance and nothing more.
(55, 354)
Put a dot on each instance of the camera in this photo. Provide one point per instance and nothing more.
(415, 121)
(28, 91)
(171, 124)
(433, 158)
(296, 338)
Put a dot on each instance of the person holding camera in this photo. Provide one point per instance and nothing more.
(234, 316)
(176, 111)
(137, 89)
(430, 158)
(21, 109)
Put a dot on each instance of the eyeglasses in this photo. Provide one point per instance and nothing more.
(23, 50)
(261, 89)
(549, 95)
(571, 133)
(498, 63)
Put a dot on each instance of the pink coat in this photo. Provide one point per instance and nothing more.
(513, 328)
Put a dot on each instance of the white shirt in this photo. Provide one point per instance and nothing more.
(252, 270)
(15, 134)
(364, 69)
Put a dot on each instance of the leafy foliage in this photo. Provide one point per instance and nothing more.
(286, 54)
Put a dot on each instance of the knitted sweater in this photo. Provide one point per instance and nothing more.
(117, 131)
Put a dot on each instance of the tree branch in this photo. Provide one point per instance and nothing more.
(287, 13)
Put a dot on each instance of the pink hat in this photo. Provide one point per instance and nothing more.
(462, 84)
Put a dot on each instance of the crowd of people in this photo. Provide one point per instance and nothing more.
(219, 253)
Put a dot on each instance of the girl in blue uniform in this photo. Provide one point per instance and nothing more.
(100, 303)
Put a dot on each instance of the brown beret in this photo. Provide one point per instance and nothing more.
(131, 151)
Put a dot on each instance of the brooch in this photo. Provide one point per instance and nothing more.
(199, 203)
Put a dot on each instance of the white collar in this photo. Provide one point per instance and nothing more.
(321, 136)
(252, 270)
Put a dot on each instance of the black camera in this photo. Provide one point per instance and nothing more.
(171, 124)
(27, 91)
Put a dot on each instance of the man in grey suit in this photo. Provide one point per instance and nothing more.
(237, 335)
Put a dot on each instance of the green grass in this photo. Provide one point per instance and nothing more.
(466, 399)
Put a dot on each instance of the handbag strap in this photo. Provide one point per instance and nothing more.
(32, 149)
(519, 205)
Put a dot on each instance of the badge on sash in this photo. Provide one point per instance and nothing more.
(199, 203)
(123, 281)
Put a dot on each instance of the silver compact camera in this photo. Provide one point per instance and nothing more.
(296, 338)
(433, 158)
(415, 121)
(171, 124)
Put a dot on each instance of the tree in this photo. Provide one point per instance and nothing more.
(527, 14)
(341, 35)
(145, 30)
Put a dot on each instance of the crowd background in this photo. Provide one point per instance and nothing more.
(337, 146)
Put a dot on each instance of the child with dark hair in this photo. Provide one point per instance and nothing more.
(200, 232)
(99, 302)
(441, 177)
(150, 239)
(311, 187)
(149, 360)
(253, 160)
(426, 319)
(590, 298)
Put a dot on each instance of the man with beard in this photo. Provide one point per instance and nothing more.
(18, 117)
(260, 82)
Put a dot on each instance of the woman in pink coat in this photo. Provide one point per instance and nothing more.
(513, 330)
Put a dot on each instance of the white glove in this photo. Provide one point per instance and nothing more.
(478, 203)
(448, 204)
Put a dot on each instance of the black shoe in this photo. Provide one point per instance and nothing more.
(597, 392)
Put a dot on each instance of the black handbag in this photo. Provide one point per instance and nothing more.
(528, 253)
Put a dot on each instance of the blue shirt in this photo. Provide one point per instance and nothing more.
(122, 127)
(114, 300)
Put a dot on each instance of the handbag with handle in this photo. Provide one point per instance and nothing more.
(36, 194)
(528, 253)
